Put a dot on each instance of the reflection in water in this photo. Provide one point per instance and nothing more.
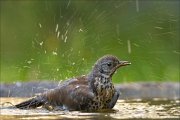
(124, 109)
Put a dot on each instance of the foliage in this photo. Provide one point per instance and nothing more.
(54, 40)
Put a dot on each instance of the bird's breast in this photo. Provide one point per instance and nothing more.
(104, 88)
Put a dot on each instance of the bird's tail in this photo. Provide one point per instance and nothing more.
(31, 103)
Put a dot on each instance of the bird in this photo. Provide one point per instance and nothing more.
(91, 92)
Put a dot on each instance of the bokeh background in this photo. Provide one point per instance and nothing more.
(55, 40)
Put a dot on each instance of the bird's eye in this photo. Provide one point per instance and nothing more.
(109, 64)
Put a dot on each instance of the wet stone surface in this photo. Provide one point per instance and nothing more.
(143, 90)
(124, 109)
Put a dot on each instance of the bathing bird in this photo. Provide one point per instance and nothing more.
(94, 91)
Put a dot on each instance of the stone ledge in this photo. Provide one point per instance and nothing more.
(143, 90)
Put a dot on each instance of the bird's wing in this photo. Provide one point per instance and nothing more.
(113, 101)
(74, 95)
(80, 96)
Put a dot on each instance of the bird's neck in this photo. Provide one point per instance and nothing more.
(96, 74)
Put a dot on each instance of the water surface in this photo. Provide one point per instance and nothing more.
(124, 109)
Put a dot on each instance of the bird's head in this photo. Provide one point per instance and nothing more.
(108, 64)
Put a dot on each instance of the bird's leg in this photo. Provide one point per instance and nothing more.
(114, 99)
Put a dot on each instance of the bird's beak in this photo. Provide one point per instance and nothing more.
(121, 63)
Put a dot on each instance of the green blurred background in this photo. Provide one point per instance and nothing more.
(55, 40)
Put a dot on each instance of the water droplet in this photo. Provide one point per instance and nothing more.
(80, 30)
(57, 27)
(29, 62)
(65, 40)
(157, 27)
(40, 26)
(41, 43)
(129, 46)
(54, 53)
(58, 34)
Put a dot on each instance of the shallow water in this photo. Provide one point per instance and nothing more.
(124, 109)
